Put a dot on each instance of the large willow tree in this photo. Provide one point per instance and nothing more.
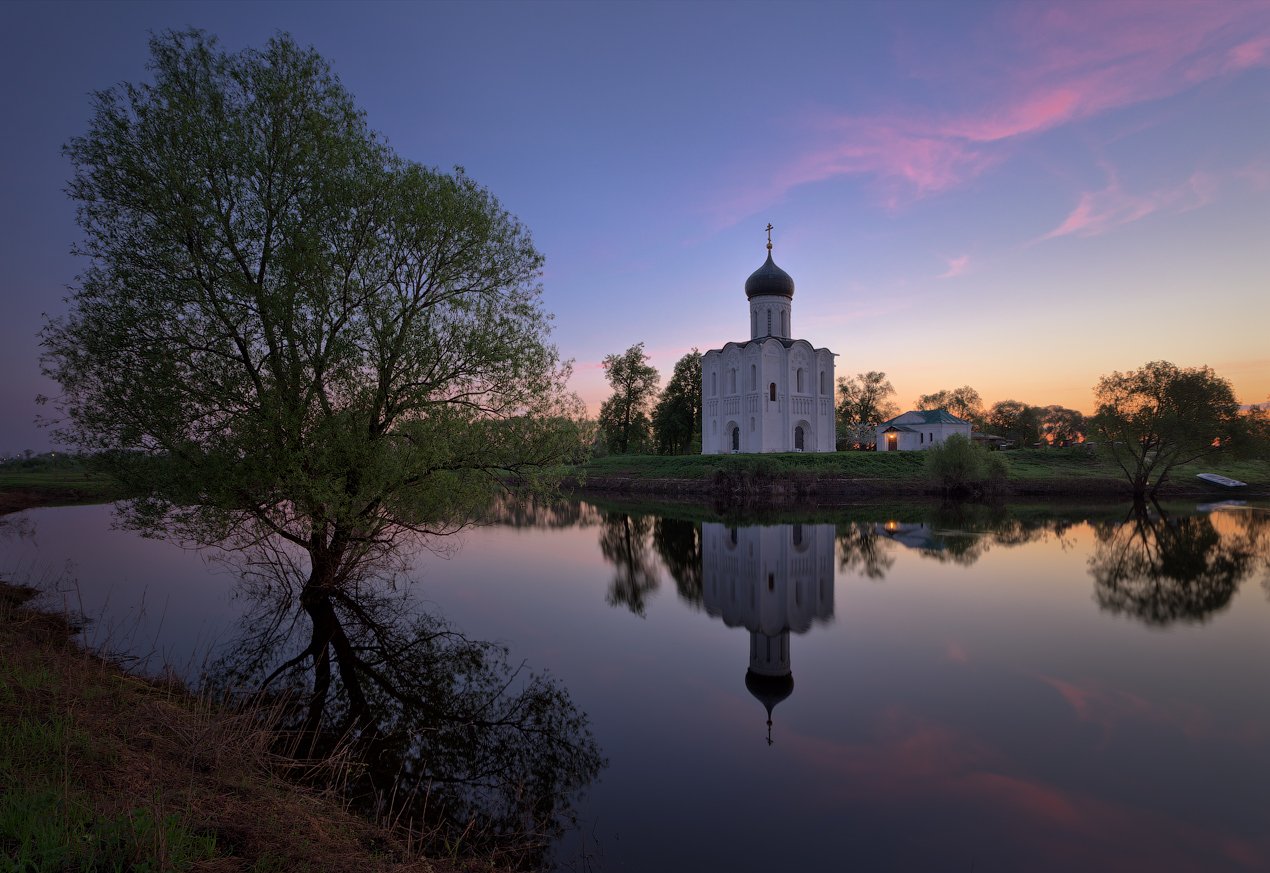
(287, 338)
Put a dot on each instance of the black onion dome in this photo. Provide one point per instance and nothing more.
(769, 690)
(769, 280)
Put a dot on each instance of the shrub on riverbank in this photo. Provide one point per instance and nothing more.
(958, 467)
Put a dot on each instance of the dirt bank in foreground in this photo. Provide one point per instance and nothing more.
(102, 770)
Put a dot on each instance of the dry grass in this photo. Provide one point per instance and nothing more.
(152, 777)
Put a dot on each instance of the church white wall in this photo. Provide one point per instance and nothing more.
(781, 317)
(737, 392)
(927, 435)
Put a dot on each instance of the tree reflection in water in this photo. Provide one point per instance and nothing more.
(678, 544)
(864, 549)
(1157, 568)
(624, 542)
(445, 736)
(1162, 570)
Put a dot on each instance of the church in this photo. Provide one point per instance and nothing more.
(770, 393)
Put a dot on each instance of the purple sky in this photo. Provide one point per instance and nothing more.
(1020, 197)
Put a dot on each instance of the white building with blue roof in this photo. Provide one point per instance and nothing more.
(919, 429)
(770, 393)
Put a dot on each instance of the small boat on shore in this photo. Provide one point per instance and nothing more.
(1223, 481)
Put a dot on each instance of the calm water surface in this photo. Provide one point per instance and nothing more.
(917, 689)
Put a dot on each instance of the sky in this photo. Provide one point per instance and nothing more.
(1020, 197)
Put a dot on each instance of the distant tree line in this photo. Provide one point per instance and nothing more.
(1148, 420)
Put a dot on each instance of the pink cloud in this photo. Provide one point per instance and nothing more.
(956, 266)
(1112, 709)
(1100, 211)
(1253, 53)
(1063, 63)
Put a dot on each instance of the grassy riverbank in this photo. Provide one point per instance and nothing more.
(103, 771)
(56, 482)
(1074, 471)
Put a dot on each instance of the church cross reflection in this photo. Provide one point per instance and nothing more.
(773, 581)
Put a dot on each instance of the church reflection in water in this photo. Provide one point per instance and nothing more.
(773, 581)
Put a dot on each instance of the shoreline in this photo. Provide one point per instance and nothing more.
(829, 489)
(118, 770)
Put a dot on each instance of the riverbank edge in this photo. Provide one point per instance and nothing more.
(140, 771)
(799, 487)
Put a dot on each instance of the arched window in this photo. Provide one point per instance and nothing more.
(771, 392)
(824, 380)
(799, 380)
(753, 377)
(769, 322)
(798, 438)
(714, 384)
(785, 322)
(751, 424)
(732, 381)
(736, 438)
(754, 323)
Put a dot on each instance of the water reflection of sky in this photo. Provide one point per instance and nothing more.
(977, 713)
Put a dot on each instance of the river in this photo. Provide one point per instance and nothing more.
(874, 688)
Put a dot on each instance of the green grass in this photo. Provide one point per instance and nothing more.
(1025, 465)
(856, 465)
(46, 818)
(60, 481)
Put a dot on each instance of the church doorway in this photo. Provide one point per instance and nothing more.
(736, 438)
(799, 439)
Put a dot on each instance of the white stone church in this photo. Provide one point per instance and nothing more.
(770, 393)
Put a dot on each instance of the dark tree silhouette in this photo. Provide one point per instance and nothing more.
(1163, 570)
(624, 541)
(678, 544)
(447, 738)
(863, 549)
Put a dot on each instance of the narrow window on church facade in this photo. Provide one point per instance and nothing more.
(732, 381)
(714, 384)
(753, 377)
(769, 322)
(800, 380)
(784, 323)
(771, 392)
(823, 381)
(754, 323)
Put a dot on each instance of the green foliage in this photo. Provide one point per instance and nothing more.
(624, 417)
(901, 465)
(864, 400)
(317, 340)
(963, 402)
(1015, 421)
(1061, 426)
(1152, 419)
(958, 466)
(677, 417)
